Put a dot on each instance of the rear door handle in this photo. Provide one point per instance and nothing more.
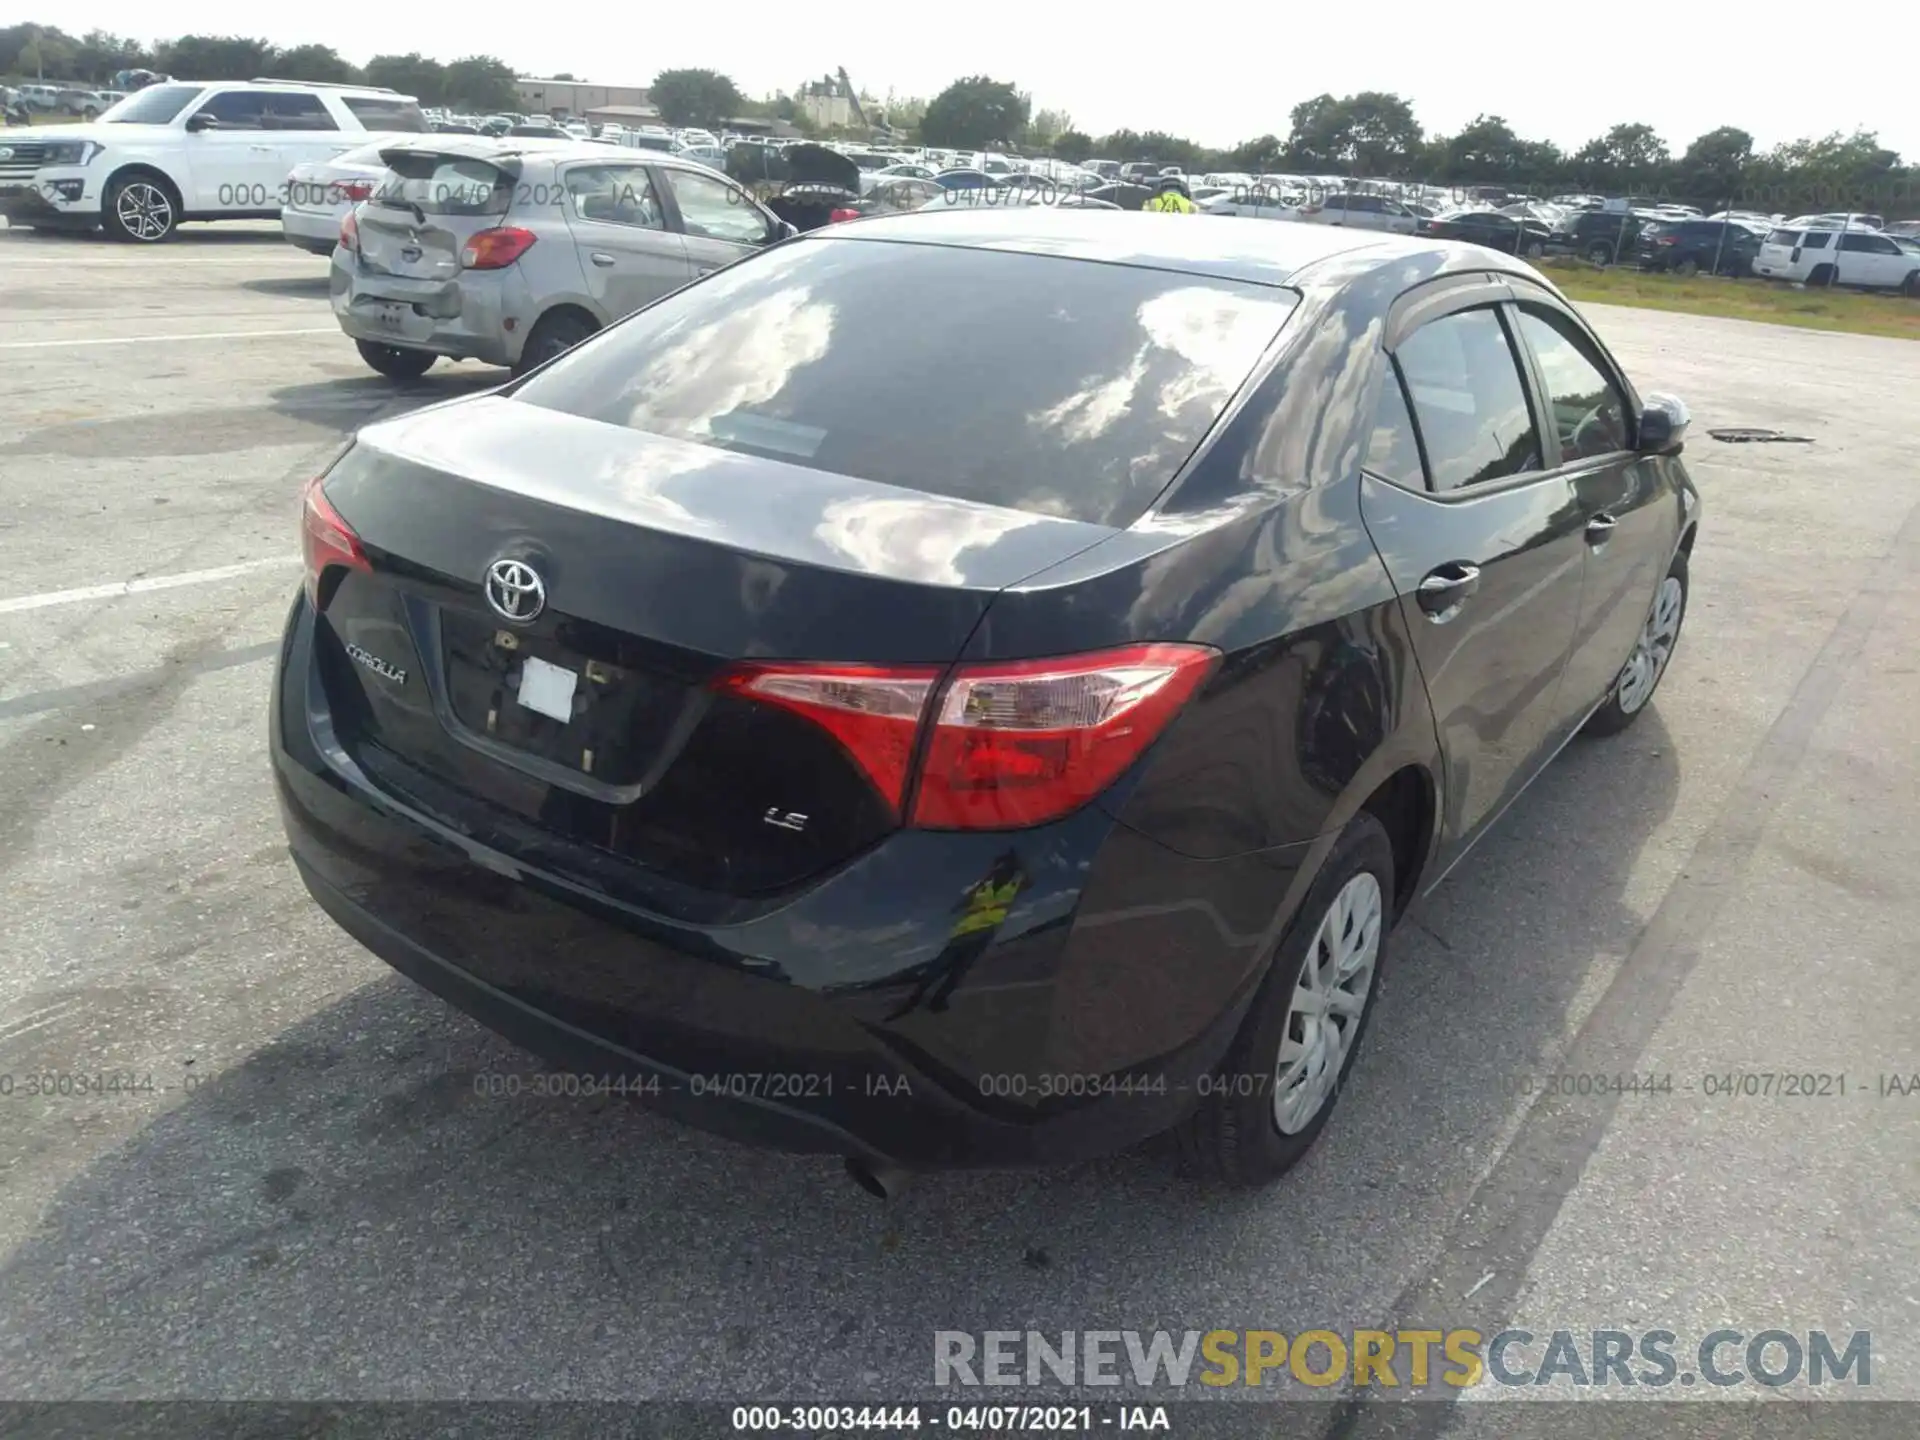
(1446, 588)
(706, 270)
(601, 258)
(1600, 529)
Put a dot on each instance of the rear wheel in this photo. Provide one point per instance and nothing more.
(556, 334)
(1275, 1091)
(1534, 250)
(1687, 267)
(1822, 275)
(1599, 254)
(1633, 687)
(396, 361)
(1910, 287)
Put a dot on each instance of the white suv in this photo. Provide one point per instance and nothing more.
(183, 151)
(1856, 256)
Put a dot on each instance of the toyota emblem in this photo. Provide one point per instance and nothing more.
(515, 590)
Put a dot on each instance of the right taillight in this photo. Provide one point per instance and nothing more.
(325, 539)
(497, 248)
(1025, 742)
(1003, 746)
(841, 215)
(350, 231)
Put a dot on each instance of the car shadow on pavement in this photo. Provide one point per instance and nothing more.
(358, 1211)
(300, 286)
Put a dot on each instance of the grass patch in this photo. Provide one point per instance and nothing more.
(1853, 311)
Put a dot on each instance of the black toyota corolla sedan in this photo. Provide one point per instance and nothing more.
(979, 688)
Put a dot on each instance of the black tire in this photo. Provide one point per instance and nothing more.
(1614, 714)
(1534, 250)
(1599, 254)
(1822, 275)
(1687, 268)
(140, 208)
(557, 333)
(1910, 287)
(1233, 1134)
(396, 362)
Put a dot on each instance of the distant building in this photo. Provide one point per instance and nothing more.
(826, 111)
(572, 99)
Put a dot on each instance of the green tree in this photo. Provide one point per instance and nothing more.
(1627, 157)
(481, 82)
(1482, 151)
(216, 57)
(100, 54)
(1371, 133)
(1073, 145)
(1047, 126)
(319, 63)
(1260, 156)
(1714, 165)
(694, 97)
(410, 74)
(976, 112)
(566, 75)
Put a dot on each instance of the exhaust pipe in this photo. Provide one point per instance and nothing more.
(882, 1181)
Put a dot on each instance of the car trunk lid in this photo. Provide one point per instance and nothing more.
(431, 202)
(661, 564)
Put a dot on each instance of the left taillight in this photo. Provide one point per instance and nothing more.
(1006, 746)
(842, 214)
(326, 541)
(350, 231)
(356, 190)
(497, 248)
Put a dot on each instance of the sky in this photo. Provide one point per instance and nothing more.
(1219, 74)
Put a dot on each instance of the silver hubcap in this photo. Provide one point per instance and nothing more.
(1328, 1001)
(145, 211)
(1654, 648)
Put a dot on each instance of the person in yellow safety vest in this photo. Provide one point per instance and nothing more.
(1170, 196)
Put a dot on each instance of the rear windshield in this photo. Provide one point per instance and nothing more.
(379, 113)
(1049, 385)
(1784, 237)
(444, 185)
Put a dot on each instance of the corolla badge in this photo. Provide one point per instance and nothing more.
(385, 669)
(515, 590)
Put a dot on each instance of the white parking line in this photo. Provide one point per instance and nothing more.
(154, 339)
(140, 586)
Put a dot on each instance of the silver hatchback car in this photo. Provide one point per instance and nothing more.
(513, 251)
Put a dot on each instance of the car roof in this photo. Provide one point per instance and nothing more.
(1264, 253)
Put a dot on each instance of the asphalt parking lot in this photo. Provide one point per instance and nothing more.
(313, 1202)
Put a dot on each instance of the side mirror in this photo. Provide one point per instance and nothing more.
(783, 230)
(201, 120)
(1663, 425)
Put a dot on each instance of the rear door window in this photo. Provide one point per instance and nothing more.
(615, 194)
(295, 110)
(1817, 240)
(1469, 399)
(1030, 382)
(377, 112)
(1394, 453)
